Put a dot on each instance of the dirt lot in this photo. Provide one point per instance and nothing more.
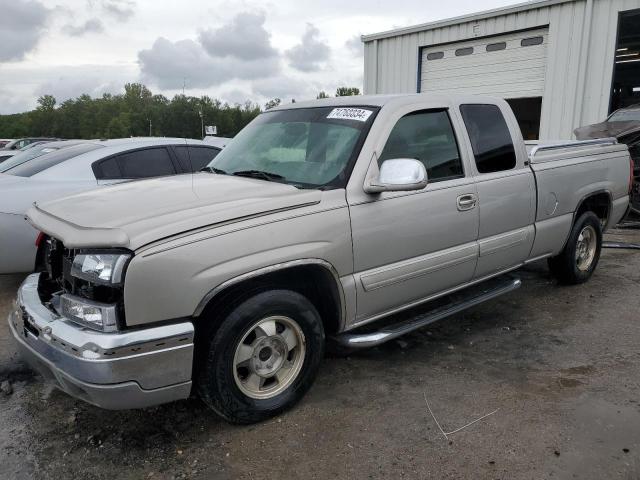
(560, 364)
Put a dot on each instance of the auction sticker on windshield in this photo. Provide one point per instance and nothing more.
(359, 114)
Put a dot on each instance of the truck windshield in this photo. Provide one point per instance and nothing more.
(625, 116)
(305, 147)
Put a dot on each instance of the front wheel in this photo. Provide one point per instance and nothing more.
(579, 258)
(263, 358)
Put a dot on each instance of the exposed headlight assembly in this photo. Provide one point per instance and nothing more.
(100, 268)
(98, 316)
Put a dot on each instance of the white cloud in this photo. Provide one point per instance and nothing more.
(355, 45)
(70, 86)
(169, 65)
(21, 27)
(93, 25)
(310, 53)
(285, 87)
(26, 84)
(232, 48)
(121, 10)
(244, 37)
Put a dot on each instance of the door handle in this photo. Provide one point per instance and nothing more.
(466, 202)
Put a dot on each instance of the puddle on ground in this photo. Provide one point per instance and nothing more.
(580, 370)
(569, 382)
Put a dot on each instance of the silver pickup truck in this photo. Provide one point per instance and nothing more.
(317, 223)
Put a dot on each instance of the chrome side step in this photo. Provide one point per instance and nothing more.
(462, 300)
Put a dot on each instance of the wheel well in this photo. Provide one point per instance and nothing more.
(315, 282)
(598, 203)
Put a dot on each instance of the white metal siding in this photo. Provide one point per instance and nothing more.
(580, 58)
(514, 72)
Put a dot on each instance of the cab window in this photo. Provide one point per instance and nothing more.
(146, 163)
(427, 136)
(490, 138)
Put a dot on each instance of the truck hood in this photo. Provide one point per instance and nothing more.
(133, 214)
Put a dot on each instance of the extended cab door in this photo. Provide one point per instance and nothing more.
(409, 246)
(506, 187)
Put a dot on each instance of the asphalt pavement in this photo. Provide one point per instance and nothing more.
(556, 369)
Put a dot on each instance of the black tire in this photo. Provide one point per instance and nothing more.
(216, 381)
(565, 265)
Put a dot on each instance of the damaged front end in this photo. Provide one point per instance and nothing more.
(628, 133)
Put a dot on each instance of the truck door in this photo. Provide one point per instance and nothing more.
(506, 188)
(409, 246)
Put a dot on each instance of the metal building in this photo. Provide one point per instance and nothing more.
(561, 64)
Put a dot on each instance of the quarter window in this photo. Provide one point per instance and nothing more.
(426, 136)
(196, 158)
(110, 169)
(490, 138)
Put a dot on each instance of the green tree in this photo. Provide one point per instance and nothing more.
(43, 119)
(272, 103)
(119, 127)
(47, 103)
(322, 94)
(134, 112)
(347, 91)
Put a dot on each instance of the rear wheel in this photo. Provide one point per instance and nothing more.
(263, 358)
(579, 258)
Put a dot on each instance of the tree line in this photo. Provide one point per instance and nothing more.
(135, 113)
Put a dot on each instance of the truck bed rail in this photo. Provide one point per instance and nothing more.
(601, 142)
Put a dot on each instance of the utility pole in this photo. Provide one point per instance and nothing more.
(149, 127)
(201, 121)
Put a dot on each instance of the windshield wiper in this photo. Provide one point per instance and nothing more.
(213, 170)
(259, 174)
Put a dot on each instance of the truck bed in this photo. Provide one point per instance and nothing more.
(566, 173)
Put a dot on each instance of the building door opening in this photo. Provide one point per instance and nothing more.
(626, 72)
(527, 112)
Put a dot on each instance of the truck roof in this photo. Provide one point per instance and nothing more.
(382, 100)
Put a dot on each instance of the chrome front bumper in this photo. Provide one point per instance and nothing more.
(130, 369)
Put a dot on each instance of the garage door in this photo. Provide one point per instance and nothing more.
(507, 66)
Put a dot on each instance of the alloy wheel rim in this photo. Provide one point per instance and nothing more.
(269, 357)
(586, 248)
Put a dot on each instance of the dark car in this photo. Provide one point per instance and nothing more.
(624, 125)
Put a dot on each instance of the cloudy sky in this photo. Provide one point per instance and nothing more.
(232, 50)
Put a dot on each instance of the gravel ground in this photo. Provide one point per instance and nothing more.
(559, 364)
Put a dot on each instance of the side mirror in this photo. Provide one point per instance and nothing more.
(398, 175)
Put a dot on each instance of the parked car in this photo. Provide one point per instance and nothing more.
(228, 283)
(84, 166)
(6, 154)
(23, 142)
(5, 141)
(624, 125)
(35, 150)
(216, 141)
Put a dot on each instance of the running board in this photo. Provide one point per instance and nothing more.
(462, 300)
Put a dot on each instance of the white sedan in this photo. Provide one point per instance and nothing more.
(35, 150)
(82, 167)
(216, 141)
